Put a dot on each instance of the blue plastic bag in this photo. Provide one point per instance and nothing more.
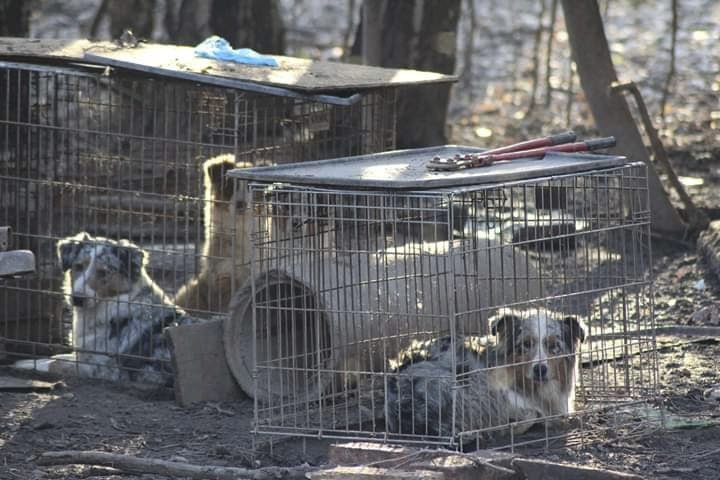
(217, 48)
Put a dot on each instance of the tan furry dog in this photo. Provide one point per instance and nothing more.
(525, 373)
(225, 256)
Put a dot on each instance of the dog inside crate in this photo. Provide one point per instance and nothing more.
(481, 314)
(524, 371)
(140, 158)
(119, 314)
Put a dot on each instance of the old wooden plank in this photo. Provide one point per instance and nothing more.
(180, 61)
(294, 73)
(534, 469)
(372, 473)
(466, 467)
(485, 464)
(363, 453)
(13, 384)
(58, 49)
(16, 262)
(201, 372)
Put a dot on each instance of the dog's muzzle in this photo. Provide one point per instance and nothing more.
(78, 301)
(540, 372)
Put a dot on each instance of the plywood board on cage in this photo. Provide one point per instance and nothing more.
(407, 169)
(60, 49)
(294, 73)
(178, 61)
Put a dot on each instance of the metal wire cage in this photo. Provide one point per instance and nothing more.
(378, 309)
(128, 156)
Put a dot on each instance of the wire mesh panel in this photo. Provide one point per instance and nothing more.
(485, 314)
(138, 163)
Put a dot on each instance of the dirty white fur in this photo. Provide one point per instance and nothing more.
(525, 371)
(118, 317)
(223, 262)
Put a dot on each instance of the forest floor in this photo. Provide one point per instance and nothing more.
(490, 107)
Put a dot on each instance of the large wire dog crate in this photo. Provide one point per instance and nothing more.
(365, 262)
(91, 140)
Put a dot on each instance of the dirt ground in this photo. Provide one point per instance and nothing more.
(93, 415)
(490, 107)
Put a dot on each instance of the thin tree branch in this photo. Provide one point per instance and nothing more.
(536, 58)
(137, 465)
(549, 51)
(671, 70)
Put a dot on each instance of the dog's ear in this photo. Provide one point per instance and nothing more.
(132, 260)
(574, 330)
(216, 179)
(69, 248)
(504, 323)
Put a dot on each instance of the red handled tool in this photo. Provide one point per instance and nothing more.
(536, 148)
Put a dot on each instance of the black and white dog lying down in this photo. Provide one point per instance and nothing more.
(118, 314)
(525, 371)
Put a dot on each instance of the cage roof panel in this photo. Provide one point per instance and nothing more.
(407, 169)
(178, 61)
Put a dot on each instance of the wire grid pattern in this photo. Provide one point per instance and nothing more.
(121, 155)
(344, 280)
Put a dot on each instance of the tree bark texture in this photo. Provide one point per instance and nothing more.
(419, 35)
(610, 111)
(255, 24)
(135, 15)
(14, 18)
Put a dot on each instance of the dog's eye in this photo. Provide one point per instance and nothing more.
(528, 344)
(553, 346)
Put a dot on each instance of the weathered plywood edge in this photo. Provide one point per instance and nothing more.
(302, 75)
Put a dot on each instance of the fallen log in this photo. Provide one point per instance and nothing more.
(137, 465)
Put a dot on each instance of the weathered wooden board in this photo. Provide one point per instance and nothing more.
(180, 62)
(13, 384)
(201, 372)
(372, 473)
(58, 49)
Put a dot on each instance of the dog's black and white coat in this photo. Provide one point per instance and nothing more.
(118, 313)
(525, 371)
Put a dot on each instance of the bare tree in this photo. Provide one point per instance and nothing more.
(671, 69)
(611, 112)
(420, 35)
(255, 24)
(14, 18)
(535, 72)
(135, 15)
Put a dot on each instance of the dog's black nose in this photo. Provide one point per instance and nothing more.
(78, 301)
(540, 371)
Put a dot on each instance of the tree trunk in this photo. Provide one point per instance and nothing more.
(610, 111)
(14, 18)
(135, 15)
(419, 35)
(255, 24)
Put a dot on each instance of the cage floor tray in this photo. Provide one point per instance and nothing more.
(407, 169)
